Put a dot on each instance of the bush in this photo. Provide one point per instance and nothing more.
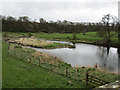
(83, 67)
(29, 35)
(18, 46)
(69, 65)
(5, 35)
(93, 69)
(89, 69)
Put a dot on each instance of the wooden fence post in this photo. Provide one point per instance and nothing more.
(66, 71)
(39, 61)
(8, 47)
(77, 70)
(51, 66)
(91, 78)
(87, 77)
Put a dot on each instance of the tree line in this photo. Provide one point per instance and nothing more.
(107, 24)
(24, 24)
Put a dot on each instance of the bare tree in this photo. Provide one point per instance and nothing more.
(106, 21)
(109, 21)
(116, 26)
(118, 31)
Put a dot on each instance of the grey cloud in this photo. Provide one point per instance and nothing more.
(75, 11)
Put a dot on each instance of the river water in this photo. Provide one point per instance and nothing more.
(87, 55)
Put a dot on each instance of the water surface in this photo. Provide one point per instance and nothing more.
(87, 55)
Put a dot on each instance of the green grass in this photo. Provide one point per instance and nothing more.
(14, 75)
(54, 36)
(56, 45)
(89, 37)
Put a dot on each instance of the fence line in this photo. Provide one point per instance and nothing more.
(95, 80)
(64, 71)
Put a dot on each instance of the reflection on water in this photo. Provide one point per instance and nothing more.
(119, 61)
(88, 55)
(108, 58)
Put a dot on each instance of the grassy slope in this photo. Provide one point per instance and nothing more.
(14, 76)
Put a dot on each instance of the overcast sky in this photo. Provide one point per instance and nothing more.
(71, 10)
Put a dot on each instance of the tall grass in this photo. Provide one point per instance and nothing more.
(40, 43)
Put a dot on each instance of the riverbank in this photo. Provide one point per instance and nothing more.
(17, 73)
(45, 60)
(88, 38)
(41, 43)
(115, 45)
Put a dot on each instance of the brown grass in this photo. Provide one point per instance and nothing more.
(32, 41)
(46, 57)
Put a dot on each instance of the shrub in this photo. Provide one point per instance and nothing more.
(83, 67)
(18, 46)
(5, 35)
(93, 69)
(29, 35)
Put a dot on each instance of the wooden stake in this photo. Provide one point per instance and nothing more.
(39, 61)
(51, 66)
(66, 71)
(8, 47)
(87, 78)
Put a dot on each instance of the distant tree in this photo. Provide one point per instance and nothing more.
(74, 36)
(74, 33)
(107, 23)
(24, 19)
(84, 29)
(42, 20)
(119, 31)
(11, 19)
(24, 24)
(59, 22)
(64, 22)
(101, 30)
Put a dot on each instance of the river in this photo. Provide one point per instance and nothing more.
(87, 55)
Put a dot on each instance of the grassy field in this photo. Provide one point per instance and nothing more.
(89, 37)
(15, 76)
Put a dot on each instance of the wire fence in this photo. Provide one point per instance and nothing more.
(63, 69)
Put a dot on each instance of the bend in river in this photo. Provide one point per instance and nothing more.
(106, 58)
